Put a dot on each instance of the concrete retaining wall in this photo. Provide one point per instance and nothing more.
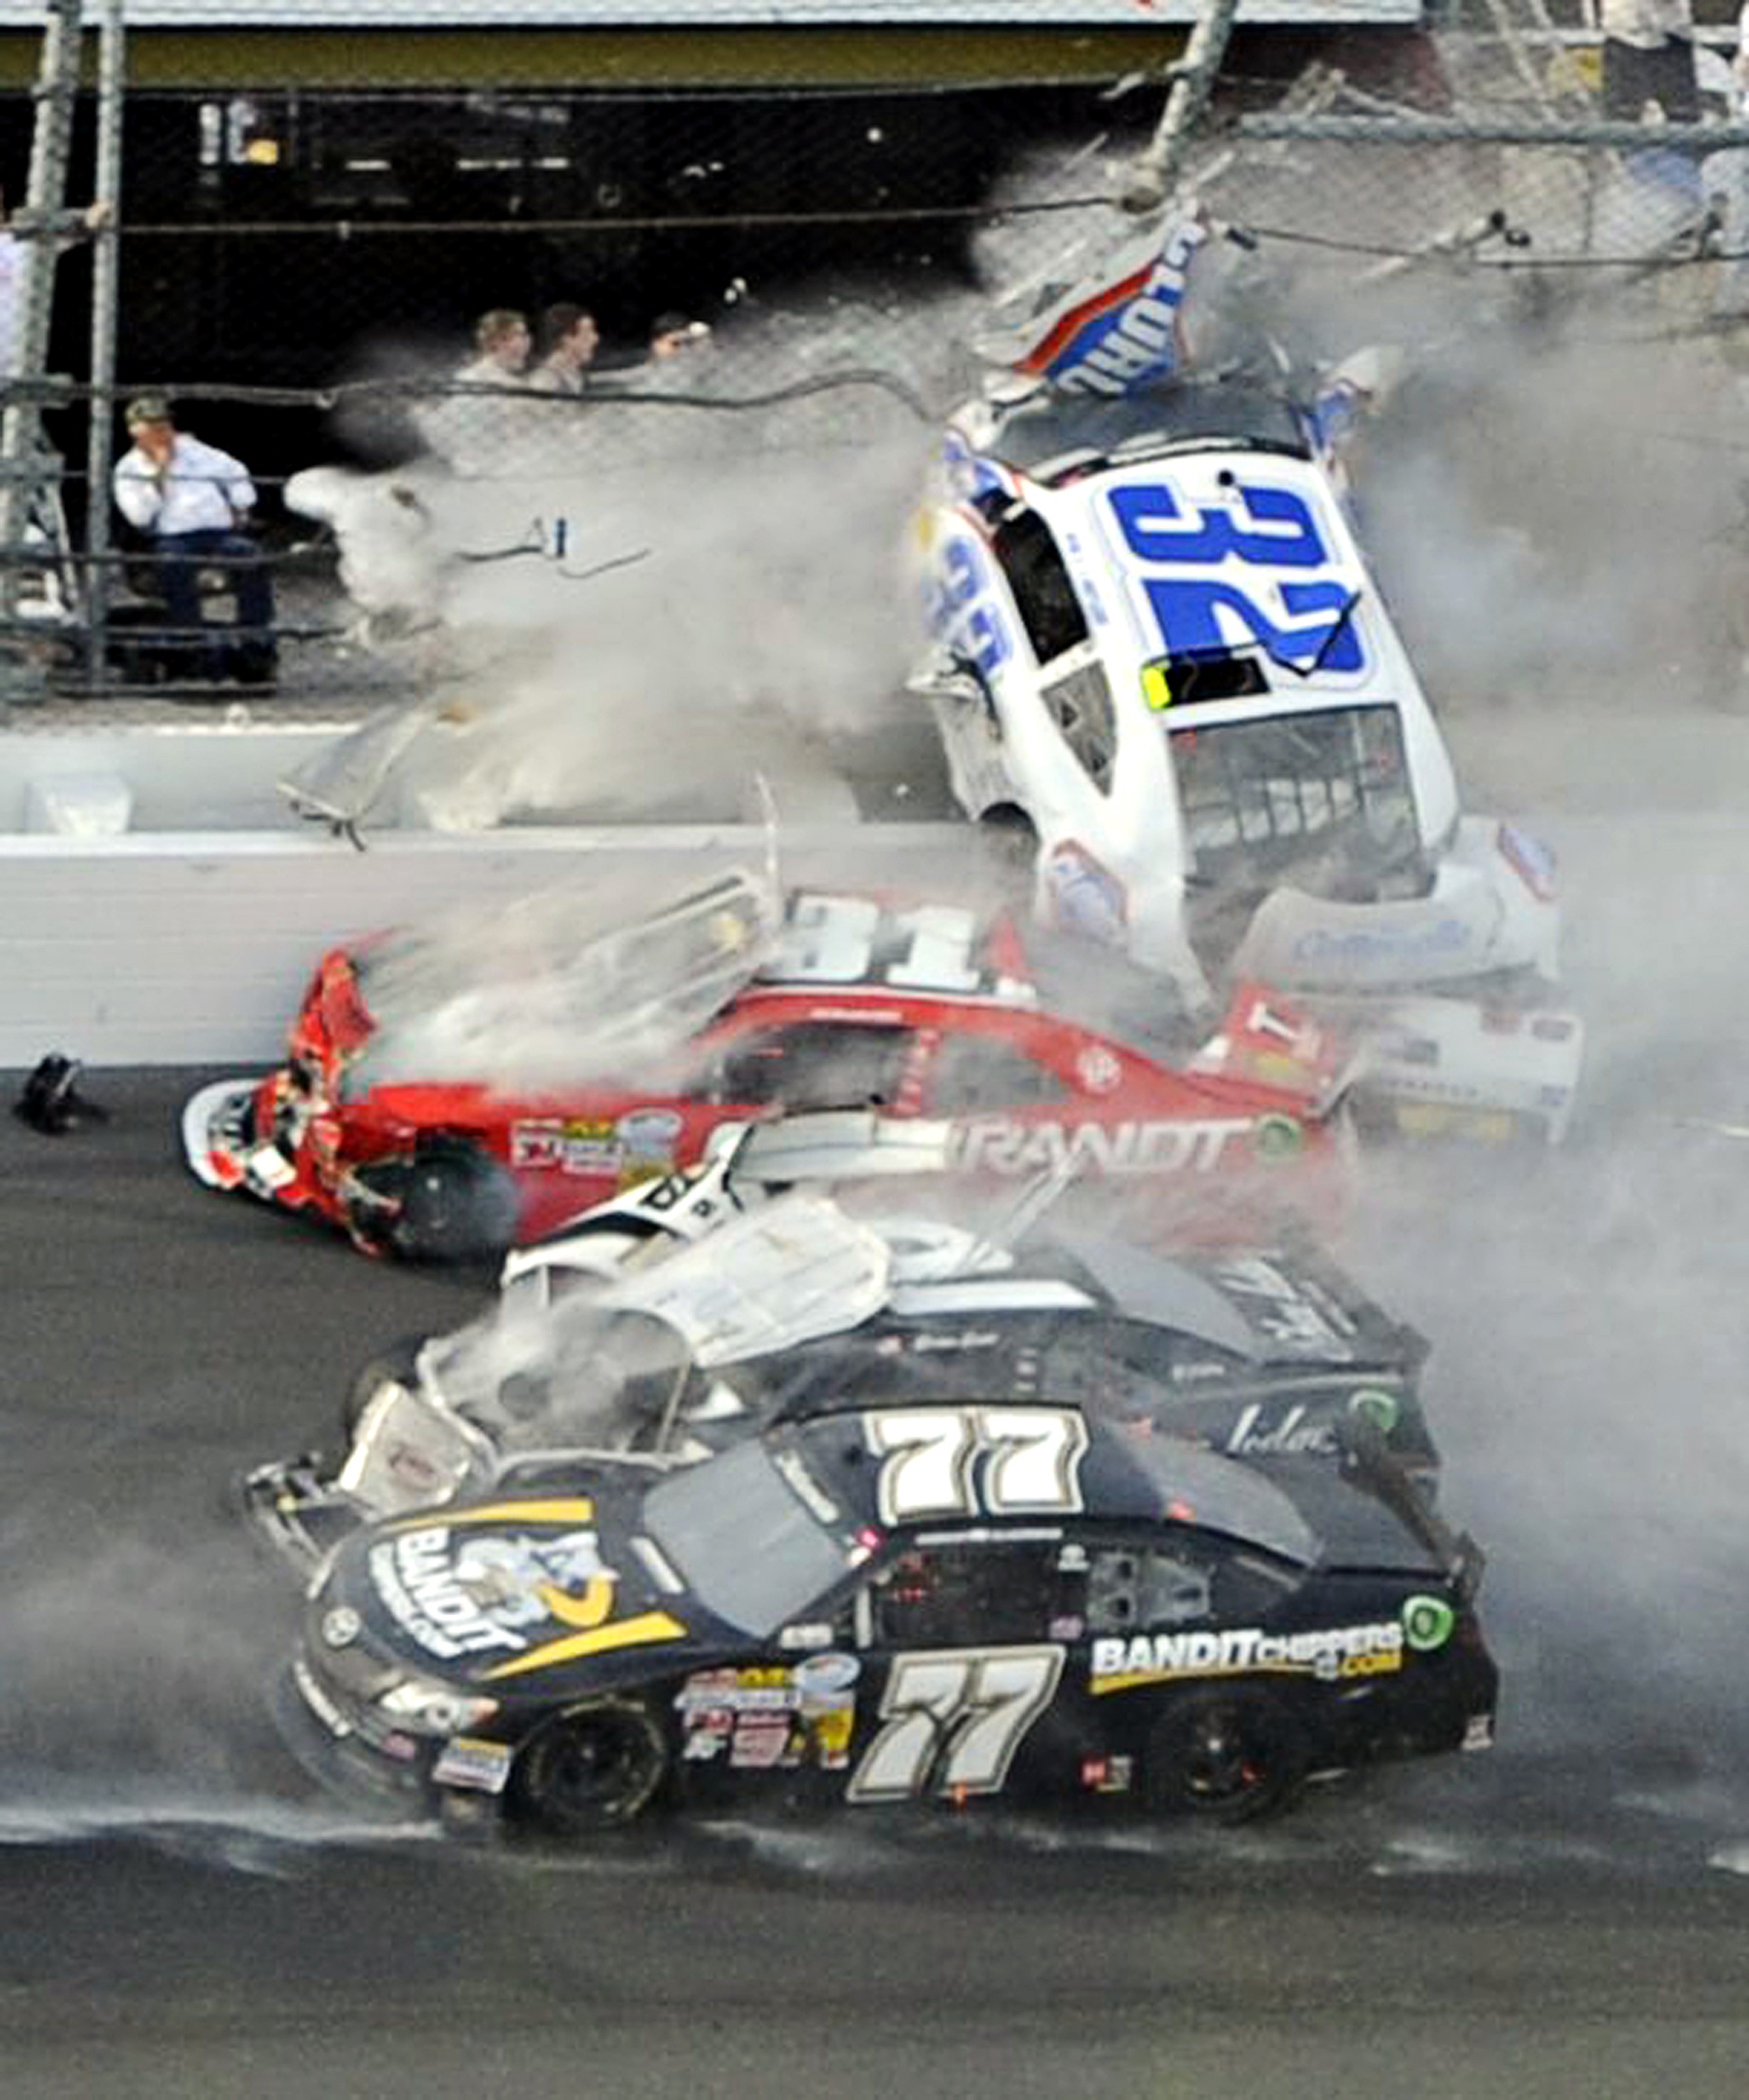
(187, 948)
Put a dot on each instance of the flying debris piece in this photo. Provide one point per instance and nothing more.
(51, 1101)
(1717, 1128)
(1119, 333)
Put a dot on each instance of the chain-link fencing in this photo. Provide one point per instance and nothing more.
(302, 276)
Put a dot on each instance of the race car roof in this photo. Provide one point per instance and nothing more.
(1059, 436)
(1121, 1475)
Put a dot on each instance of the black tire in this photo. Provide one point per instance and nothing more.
(591, 1768)
(1009, 844)
(456, 1203)
(396, 1364)
(1228, 1755)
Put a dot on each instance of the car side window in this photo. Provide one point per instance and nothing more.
(1138, 1586)
(1043, 592)
(935, 1596)
(810, 1066)
(974, 1074)
(1183, 1580)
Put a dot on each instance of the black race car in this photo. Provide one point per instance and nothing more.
(797, 1310)
(930, 1602)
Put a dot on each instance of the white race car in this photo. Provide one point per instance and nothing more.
(1159, 658)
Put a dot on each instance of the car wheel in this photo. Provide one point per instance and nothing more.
(454, 1204)
(591, 1768)
(1009, 844)
(395, 1365)
(1226, 1756)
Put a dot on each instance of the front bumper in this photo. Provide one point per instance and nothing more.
(331, 1751)
(296, 1507)
(223, 1147)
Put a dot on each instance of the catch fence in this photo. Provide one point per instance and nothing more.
(300, 272)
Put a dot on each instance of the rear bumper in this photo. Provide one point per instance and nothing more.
(1412, 1718)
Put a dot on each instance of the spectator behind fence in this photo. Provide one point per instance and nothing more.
(471, 430)
(191, 499)
(671, 334)
(571, 337)
(1649, 56)
(11, 275)
(501, 343)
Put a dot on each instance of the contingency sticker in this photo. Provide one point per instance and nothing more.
(466, 1761)
(1122, 1662)
(772, 1715)
(632, 1147)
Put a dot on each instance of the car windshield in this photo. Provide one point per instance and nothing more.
(1321, 796)
(751, 1550)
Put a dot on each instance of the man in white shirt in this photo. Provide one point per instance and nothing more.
(471, 427)
(501, 343)
(1649, 56)
(189, 499)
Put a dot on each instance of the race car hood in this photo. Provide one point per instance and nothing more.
(520, 1593)
(582, 996)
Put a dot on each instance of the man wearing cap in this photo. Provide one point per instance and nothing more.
(189, 499)
(671, 333)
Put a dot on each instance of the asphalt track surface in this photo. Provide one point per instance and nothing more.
(181, 1912)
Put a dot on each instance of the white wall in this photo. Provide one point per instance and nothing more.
(194, 948)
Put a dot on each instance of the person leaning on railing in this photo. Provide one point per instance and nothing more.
(191, 500)
(571, 338)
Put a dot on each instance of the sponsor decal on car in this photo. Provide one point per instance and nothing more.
(467, 1762)
(1125, 332)
(566, 1144)
(649, 1139)
(772, 1715)
(1534, 862)
(1427, 1623)
(1277, 1309)
(317, 1700)
(1098, 1069)
(1328, 945)
(1084, 897)
(1122, 1662)
(1255, 1436)
(457, 1593)
(999, 1144)
(632, 1147)
(1108, 1775)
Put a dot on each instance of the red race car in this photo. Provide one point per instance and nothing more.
(445, 1114)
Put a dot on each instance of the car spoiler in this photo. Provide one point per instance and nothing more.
(1369, 1458)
